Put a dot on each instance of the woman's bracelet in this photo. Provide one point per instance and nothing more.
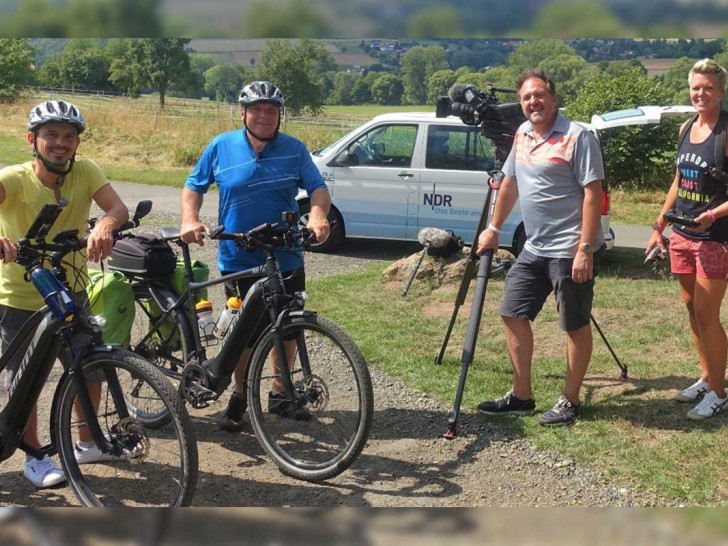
(494, 229)
(657, 227)
(712, 215)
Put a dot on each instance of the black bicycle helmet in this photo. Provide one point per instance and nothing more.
(56, 110)
(261, 91)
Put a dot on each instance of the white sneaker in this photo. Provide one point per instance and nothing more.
(693, 392)
(709, 406)
(43, 473)
(87, 455)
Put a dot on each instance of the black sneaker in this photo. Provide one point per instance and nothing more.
(231, 420)
(278, 404)
(564, 413)
(507, 404)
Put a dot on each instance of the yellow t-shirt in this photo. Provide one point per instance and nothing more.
(25, 195)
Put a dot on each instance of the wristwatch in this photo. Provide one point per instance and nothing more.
(586, 247)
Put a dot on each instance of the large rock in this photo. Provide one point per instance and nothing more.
(439, 271)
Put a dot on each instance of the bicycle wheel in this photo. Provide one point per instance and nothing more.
(167, 347)
(157, 467)
(330, 374)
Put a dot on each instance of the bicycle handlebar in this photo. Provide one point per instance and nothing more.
(267, 235)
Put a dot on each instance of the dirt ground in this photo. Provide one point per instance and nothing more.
(406, 462)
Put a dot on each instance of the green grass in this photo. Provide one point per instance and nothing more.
(631, 430)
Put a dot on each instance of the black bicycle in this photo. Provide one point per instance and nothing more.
(142, 466)
(327, 374)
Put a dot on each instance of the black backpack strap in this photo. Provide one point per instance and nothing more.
(720, 138)
(686, 131)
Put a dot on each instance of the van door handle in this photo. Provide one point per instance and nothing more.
(405, 175)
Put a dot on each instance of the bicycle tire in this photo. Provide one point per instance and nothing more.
(341, 402)
(161, 465)
(156, 349)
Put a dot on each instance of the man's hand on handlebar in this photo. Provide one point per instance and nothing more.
(8, 250)
(100, 242)
(192, 232)
(320, 227)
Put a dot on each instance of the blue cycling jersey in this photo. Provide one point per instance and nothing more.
(254, 190)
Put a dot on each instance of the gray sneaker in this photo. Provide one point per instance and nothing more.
(564, 413)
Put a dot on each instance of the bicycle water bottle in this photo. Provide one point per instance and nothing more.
(205, 320)
(55, 295)
(226, 317)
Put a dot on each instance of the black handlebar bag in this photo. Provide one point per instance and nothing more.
(143, 255)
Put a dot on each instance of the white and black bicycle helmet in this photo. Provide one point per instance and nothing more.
(261, 91)
(47, 112)
(56, 110)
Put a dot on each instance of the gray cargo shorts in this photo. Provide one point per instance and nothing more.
(530, 281)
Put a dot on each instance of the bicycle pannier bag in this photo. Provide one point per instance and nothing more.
(111, 295)
(144, 256)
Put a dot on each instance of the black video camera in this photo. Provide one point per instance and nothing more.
(498, 122)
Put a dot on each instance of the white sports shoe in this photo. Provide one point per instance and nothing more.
(693, 392)
(709, 406)
(43, 473)
(87, 455)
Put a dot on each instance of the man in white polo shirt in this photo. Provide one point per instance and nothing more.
(556, 168)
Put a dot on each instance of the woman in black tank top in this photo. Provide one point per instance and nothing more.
(699, 256)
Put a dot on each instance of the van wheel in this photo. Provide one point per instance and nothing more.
(519, 239)
(336, 236)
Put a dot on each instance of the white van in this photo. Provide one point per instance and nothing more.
(399, 173)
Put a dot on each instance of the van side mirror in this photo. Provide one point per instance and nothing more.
(346, 159)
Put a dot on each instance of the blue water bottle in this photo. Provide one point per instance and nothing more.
(53, 292)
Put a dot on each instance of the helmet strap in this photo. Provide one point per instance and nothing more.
(51, 168)
(269, 139)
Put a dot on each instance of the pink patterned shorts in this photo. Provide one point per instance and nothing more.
(705, 259)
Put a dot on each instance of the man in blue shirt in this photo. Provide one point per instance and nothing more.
(258, 172)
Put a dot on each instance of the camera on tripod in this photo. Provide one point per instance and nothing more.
(498, 121)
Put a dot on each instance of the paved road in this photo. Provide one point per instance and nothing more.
(167, 199)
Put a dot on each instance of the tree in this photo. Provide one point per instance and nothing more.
(676, 80)
(155, 63)
(417, 65)
(223, 82)
(530, 54)
(570, 73)
(414, 80)
(16, 74)
(199, 64)
(298, 71)
(387, 89)
(343, 90)
(362, 92)
(438, 84)
(637, 158)
(82, 64)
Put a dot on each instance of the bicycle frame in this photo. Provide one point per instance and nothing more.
(50, 338)
(265, 296)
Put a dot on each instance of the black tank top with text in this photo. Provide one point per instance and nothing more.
(697, 190)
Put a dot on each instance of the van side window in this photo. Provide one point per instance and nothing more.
(385, 146)
(458, 148)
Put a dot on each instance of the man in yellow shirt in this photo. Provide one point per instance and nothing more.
(54, 129)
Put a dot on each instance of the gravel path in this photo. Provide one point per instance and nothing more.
(406, 462)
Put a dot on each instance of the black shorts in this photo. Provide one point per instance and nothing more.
(294, 281)
(532, 278)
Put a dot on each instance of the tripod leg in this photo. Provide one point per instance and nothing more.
(471, 338)
(622, 367)
(414, 270)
